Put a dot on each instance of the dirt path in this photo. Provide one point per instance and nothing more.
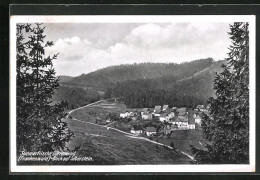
(125, 133)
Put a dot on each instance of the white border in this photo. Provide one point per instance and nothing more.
(132, 19)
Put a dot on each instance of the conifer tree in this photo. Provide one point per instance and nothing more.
(227, 127)
(40, 122)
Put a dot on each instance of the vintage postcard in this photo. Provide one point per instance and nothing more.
(153, 93)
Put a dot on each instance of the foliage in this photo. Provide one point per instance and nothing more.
(40, 125)
(227, 127)
(75, 96)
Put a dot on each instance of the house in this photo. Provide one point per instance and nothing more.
(144, 110)
(157, 110)
(122, 115)
(164, 117)
(131, 114)
(181, 122)
(147, 115)
(191, 122)
(136, 129)
(171, 115)
(169, 128)
(174, 108)
(165, 107)
(150, 131)
(125, 115)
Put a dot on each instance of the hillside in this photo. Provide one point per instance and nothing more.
(189, 91)
(65, 78)
(103, 78)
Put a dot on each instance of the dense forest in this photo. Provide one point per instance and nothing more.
(169, 90)
(75, 96)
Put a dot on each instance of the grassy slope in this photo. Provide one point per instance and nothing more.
(110, 147)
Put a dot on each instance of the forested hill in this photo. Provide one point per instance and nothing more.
(150, 84)
(103, 78)
(189, 91)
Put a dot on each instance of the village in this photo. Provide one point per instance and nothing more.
(159, 120)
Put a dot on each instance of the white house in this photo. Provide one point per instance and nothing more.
(122, 115)
(150, 131)
(181, 122)
(147, 115)
(164, 117)
(136, 129)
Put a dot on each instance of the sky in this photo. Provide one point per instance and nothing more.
(87, 47)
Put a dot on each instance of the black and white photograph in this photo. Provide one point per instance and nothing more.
(132, 93)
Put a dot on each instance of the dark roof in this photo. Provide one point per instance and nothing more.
(150, 129)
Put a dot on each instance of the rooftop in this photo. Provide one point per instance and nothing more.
(150, 129)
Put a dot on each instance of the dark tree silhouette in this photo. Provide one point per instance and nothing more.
(40, 123)
(228, 126)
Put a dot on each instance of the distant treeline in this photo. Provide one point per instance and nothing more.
(75, 96)
(107, 77)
